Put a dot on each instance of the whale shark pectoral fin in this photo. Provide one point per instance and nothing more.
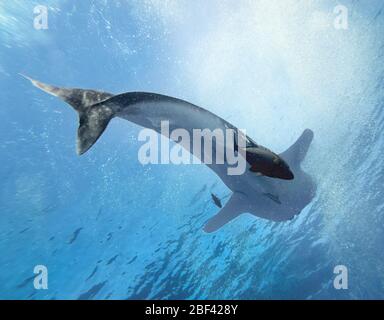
(296, 153)
(232, 209)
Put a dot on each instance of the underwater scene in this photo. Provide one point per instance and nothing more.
(104, 225)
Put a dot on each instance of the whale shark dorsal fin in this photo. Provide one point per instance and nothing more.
(233, 208)
(295, 154)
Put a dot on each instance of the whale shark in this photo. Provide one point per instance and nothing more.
(274, 186)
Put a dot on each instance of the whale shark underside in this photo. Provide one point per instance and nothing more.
(260, 195)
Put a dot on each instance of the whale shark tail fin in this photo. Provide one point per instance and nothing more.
(93, 119)
(92, 124)
(296, 153)
(79, 99)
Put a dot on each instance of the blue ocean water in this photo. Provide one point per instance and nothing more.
(107, 227)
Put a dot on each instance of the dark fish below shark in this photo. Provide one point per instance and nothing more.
(216, 200)
(260, 194)
(75, 235)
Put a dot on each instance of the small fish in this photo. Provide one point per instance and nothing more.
(92, 274)
(216, 200)
(91, 293)
(112, 259)
(75, 235)
(22, 231)
(26, 281)
(133, 259)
